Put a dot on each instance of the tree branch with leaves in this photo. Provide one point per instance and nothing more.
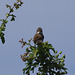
(44, 57)
(16, 5)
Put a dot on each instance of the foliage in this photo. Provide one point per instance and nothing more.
(44, 57)
(9, 14)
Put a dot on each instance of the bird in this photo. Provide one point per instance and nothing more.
(38, 37)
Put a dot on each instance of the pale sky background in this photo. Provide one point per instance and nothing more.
(57, 19)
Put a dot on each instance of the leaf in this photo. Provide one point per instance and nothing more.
(60, 52)
(21, 2)
(1, 19)
(8, 6)
(15, 4)
(3, 39)
(56, 52)
(35, 53)
(3, 25)
(63, 56)
(32, 69)
(18, 1)
(12, 19)
(12, 15)
(31, 55)
(11, 10)
(57, 55)
(0, 30)
(1, 34)
(5, 21)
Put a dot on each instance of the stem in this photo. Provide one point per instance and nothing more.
(50, 66)
(49, 69)
(10, 12)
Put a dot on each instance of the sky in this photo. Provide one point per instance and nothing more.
(57, 19)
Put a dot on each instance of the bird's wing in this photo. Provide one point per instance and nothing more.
(37, 37)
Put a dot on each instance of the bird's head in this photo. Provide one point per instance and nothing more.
(39, 31)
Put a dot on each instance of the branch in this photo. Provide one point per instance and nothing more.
(9, 14)
(41, 55)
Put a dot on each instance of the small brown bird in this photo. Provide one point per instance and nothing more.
(38, 37)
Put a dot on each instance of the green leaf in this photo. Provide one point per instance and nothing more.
(24, 70)
(8, 6)
(60, 52)
(57, 55)
(0, 30)
(5, 21)
(3, 25)
(56, 52)
(15, 4)
(11, 10)
(1, 20)
(63, 56)
(12, 15)
(3, 39)
(3, 29)
(18, 1)
(1, 34)
(28, 72)
(32, 69)
(35, 53)
(12, 19)
(31, 55)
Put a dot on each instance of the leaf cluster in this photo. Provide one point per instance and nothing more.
(45, 57)
(9, 14)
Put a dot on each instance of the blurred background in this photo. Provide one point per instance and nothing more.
(57, 19)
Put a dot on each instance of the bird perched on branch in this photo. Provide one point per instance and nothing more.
(38, 37)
